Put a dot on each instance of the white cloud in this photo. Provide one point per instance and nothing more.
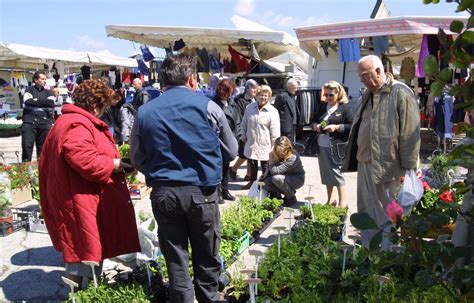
(244, 7)
(86, 41)
(275, 21)
(104, 52)
(313, 21)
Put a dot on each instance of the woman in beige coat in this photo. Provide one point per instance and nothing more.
(260, 128)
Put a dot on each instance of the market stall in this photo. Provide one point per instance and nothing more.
(20, 56)
(403, 39)
(18, 62)
(251, 50)
(337, 47)
(268, 44)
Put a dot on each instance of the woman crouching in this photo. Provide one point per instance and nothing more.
(285, 173)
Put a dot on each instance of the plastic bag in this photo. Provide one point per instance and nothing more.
(257, 191)
(148, 238)
(411, 192)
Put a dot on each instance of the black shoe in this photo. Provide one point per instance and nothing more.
(221, 200)
(247, 186)
(273, 195)
(232, 174)
(290, 201)
(227, 196)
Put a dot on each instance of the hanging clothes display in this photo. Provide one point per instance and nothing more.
(380, 44)
(178, 44)
(458, 113)
(147, 55)
(420, 68)
(112, 77)
(142, 67)
(349, 50)
(214, 64)
(204, 60)
(240, 61)
(86, 72)
(407, 70)
(307, 101)
(443, 110)
(126, 78)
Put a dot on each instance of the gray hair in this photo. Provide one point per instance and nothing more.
(137, 80)
(374, 60)
(290, 82)
(250, 83)
(177, 69)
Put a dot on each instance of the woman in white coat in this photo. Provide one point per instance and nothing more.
(260, 128)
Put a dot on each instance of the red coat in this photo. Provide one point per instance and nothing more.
(86, 206)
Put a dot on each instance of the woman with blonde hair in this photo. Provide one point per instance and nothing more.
(285, 173)
(333, 121)
(260, 128)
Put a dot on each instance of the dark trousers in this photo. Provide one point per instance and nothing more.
(31, 133)
(225, 176)
(254, 168)
(291, 134)
(189, 213)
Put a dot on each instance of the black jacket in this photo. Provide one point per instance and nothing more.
(286, 106)
(232, 115)
(342, 115)
(242, 103)
(38, 105)
(140, 98)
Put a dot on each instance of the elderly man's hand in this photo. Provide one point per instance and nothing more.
(331, 128)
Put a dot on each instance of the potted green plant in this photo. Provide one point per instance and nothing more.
(20, 182)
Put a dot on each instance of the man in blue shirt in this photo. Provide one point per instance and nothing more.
(179, 142)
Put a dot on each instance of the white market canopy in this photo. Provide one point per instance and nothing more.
(26, 56)
(407, 30)
(268, 43)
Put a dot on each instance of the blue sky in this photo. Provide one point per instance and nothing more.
(80, 24)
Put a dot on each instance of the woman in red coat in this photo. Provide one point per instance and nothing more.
(84, 198)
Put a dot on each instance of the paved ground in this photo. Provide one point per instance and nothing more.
(31, 270)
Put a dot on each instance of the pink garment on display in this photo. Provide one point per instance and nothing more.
(420, 69)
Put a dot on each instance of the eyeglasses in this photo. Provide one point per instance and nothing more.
(329, 95)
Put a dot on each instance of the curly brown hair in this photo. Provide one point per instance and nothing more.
(92, 94)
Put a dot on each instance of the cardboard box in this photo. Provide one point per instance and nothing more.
(21, 195)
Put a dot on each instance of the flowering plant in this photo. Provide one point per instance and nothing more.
(19, 174)
(394, 211)
(439, 200)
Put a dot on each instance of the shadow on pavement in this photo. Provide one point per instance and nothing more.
(35, 285)
(41, 256)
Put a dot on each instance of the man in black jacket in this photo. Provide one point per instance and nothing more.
(141, 96)
(286, 105)
(38, 113)
(242, 101)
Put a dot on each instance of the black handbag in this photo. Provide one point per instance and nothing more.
(338, 150)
